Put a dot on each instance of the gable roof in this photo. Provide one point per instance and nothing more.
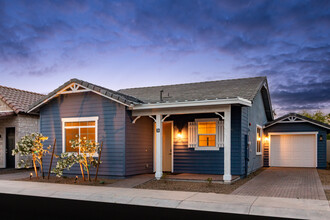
(286, 119)
(245, 88)
(18, 100)
(108, 93)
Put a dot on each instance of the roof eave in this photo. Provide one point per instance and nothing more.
(160, 105)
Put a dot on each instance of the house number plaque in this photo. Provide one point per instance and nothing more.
(158, 130)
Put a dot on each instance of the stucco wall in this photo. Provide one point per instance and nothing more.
(24, 124)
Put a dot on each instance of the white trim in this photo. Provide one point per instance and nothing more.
(261, 133)
(227, 145)
(7, 111)
(237, 100)
(62, 91)
(214, 148)
(295, 121)
(172, 147)
(292, 133)
(79, 119)
(181, 110)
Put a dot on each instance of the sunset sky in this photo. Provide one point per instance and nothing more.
(122, 44)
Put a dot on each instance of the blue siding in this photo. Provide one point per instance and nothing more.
(244, 137)
(306, 127)
(188, 160)
(111, 128)
(237, 165)
(139, 146)
(256, 115)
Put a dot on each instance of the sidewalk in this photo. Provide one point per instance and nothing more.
(264, 206)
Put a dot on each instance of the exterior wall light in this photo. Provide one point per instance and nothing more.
(321, 137)
(179, 135)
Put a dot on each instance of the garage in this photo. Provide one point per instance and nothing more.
(293, 150)
(295, 141)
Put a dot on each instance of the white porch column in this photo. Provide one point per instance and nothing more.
(227, 145)
(159, 147)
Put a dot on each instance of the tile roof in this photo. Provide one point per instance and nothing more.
(245, 88)
(18, 100)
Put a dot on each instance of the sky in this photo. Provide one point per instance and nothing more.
(123, 44)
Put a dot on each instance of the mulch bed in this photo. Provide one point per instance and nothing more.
(325, 179)
(324, 176)
(197, 186)
(71, 180)
(13, 170)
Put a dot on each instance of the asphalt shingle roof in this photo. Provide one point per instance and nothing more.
(245, 88)
(18, 100)
(104, 91)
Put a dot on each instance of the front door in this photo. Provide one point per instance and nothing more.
(167, 146)
(10, 145)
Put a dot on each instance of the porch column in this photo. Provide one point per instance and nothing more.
(159, 147)
(227, 145)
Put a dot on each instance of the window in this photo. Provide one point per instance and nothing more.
(205, 134)
(81, 127)
(259, 140)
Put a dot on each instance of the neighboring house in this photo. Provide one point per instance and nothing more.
(15, 122)
(213, 127)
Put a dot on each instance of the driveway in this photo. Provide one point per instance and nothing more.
(302, 183)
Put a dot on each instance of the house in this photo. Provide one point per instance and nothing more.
(214, 127)
(15, 122)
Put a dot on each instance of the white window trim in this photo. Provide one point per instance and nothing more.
(79, 119)
(261, 133)
(215, 148)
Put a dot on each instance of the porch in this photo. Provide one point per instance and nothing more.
(181, 147)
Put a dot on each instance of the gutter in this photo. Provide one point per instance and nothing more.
(160, 105)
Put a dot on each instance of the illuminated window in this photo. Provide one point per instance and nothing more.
(258, 141)
(207, 134)
(84, 127)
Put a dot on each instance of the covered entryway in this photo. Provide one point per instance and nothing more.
(293, 150)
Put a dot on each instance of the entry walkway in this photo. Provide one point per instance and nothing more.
(302, 183)
(249, 205)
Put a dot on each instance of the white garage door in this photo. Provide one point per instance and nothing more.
(293, 150)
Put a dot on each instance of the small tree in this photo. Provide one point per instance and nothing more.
(85, 157)
(31, 145)
(318, 116)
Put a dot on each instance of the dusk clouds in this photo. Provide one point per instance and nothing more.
(121, 44)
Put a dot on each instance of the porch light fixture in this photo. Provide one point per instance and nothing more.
(321, 137)
(31, 175)
(179, 135)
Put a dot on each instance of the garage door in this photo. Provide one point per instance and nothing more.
(293, 150)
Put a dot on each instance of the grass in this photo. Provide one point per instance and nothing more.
(197, 186)
(71, 180)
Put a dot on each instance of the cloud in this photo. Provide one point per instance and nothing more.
(288, 42)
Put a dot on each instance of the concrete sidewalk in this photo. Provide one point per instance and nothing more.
(250, 205)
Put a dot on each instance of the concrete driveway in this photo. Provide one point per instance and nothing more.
(302, 183)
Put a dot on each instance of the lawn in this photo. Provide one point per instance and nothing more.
(325, 179)
(197, 186)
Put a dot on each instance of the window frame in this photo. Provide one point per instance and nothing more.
(78, 119)
(216, 120)
(261, 133)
